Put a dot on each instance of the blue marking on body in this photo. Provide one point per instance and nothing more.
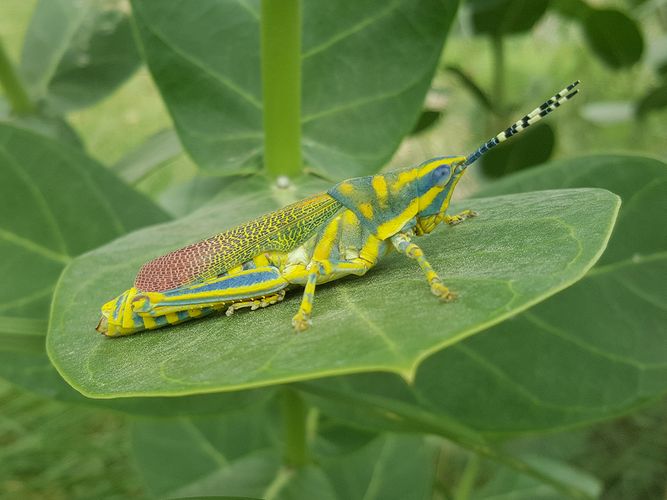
(119, 302)
(230, 282)
(228, 286)
(161, 320)
(137, 320)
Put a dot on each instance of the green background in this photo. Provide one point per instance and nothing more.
(133, 128)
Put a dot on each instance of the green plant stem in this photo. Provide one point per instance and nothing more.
(467, 482)
(12, 85)
(281, 86)
(295, 414)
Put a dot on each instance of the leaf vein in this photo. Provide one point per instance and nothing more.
(226, 82)
(39, 198)
(562, 334)
(33, 247)
(355, 28)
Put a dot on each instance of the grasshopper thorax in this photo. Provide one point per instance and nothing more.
(387, 203)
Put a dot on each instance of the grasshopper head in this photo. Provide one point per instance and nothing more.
(118, 317)
(438, 177)
(436, 181)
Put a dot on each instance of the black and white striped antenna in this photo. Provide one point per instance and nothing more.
(533, 117)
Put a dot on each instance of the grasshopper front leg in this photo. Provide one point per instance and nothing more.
(404, 245)
(453, 220)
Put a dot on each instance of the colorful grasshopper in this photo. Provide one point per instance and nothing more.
(319, 239)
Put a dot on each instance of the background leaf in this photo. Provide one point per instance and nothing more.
(366, 69)
(41, 122)
(506, 483)
(232, 455)
(533, 147)
(52, 449)
(614, 37)
(654, 100)
(77, 52)
(159, 149)
(256, 190)
(499, 17)
(592, 352)
(357, 325)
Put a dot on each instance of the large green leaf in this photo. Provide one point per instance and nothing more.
(520, 249)
(366, 69)
(77, 52)
(596, 350)
(236, 455)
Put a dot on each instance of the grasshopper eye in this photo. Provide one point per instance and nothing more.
(440, 175)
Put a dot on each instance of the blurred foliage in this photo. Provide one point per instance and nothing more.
(56, 451)
(96, 85)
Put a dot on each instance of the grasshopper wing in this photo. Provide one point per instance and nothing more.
(281, 231)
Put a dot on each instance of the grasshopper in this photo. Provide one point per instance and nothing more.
(341, 232)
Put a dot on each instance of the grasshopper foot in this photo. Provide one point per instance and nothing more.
(301, 322)
(442, 292)
(453, 220)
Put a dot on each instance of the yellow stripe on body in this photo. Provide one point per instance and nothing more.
(194, 313)
(445, 203)
(393, 226)
(127, 321)
(366, 210)
(322, 252)
(233, 270)
(172, 318)
(370, 250)
(350, 218)
(261, 260)
(346, 188)
(404, 178)
(379, 184)
(149, 322)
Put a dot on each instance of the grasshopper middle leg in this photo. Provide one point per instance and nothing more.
(323, 271)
